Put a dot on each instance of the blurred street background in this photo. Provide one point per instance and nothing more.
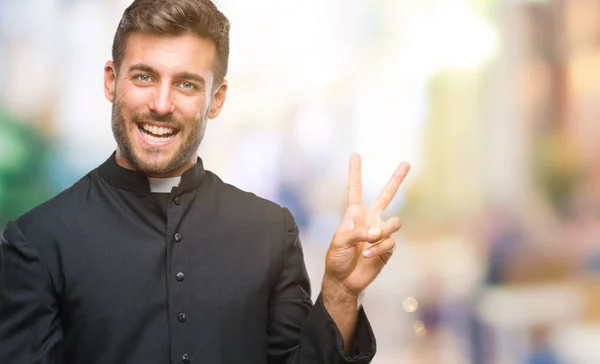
(495, 104)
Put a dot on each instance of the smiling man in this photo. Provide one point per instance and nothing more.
(162, 93)
(150, 258)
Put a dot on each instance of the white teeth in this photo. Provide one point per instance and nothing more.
(165, 133)
(157, 139)
(157, 130)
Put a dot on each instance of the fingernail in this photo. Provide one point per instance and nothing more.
(367, 253)
(374, 231)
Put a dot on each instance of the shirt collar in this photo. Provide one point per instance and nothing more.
(163, 185)
(137, 182)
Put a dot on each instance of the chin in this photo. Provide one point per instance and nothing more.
(155, 161)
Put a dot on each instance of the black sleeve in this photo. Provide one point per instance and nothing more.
(301, 333)
(30, 330)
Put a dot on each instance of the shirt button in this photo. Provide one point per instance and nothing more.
(185, 358)
(180, 276)
(178, 237)
(181, 317)
(177, 200)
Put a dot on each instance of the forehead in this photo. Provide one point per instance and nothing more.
(170, 53)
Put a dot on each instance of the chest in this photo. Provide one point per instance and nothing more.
(162, 265)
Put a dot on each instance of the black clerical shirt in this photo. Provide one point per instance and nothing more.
(108, 272)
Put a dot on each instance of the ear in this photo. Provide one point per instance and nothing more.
(110, 80)
(218, 100)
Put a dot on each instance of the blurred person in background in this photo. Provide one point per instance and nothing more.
(150, 257)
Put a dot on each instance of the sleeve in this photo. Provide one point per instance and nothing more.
(301, 333)
(30, 329)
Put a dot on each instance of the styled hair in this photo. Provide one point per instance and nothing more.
(176, 17)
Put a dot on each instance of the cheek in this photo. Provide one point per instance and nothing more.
(133, 99)
(191, 109)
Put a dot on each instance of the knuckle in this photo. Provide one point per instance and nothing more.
(395, 224)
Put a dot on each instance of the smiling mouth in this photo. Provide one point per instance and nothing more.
(157, 133)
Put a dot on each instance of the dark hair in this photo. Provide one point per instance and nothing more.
(175, 17)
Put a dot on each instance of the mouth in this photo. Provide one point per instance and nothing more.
(155, 135)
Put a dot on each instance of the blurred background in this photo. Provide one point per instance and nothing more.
(493, 102)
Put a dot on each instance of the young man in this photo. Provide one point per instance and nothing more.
(149, 258)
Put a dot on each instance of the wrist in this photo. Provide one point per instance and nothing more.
(336, 292)
(342, 306)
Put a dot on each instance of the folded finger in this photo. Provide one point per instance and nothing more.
(385, 246)
(348, 237)
(390, 226)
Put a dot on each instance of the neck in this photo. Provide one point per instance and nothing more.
(125, 163)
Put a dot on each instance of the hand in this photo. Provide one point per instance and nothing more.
(362, 245)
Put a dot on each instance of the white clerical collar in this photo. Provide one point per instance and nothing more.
(163, 185)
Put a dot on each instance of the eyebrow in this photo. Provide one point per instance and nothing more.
(142, 67)
(180, 75)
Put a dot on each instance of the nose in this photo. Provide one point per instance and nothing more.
(161, 102)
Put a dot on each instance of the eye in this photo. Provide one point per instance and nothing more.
(143, 78)
(187, 86)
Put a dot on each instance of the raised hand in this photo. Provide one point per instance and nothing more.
(362, 244)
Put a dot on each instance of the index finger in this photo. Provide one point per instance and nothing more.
(389, 190)
(354, 180)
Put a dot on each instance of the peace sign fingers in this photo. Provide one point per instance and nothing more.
(354, 181)
(389, 190)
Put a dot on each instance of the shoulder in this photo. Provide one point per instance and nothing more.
(244, 205)
(47, 219)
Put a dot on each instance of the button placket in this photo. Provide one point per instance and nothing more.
(175, 218)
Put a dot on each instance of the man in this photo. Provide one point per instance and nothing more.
(151, 259)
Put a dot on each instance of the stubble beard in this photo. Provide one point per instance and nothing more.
(142, 161)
